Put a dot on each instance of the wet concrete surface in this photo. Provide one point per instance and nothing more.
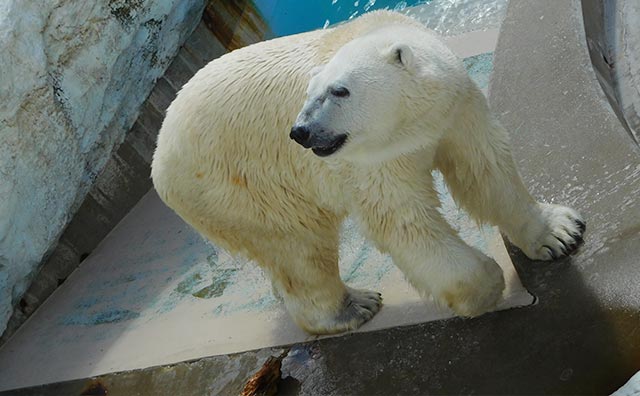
(583, 336)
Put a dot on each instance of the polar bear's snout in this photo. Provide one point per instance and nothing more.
(322, 142)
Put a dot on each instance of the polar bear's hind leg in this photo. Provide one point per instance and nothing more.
(303, 268)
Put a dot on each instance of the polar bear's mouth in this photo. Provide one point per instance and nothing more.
(323, 151)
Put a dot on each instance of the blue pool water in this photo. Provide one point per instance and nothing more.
(447, 17)
(294, 16)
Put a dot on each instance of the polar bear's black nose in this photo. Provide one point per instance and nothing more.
(301, 135)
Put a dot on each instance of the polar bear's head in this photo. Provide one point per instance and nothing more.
(356, 106)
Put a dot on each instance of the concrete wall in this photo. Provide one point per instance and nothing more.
(124, 179)
(613, 36)
(74, 75)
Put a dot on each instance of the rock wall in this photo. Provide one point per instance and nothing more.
(74, 75)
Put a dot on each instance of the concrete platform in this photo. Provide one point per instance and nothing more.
(583, 337)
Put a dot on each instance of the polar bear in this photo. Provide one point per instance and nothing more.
(267, 149)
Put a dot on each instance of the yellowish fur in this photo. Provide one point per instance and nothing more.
(226, 165)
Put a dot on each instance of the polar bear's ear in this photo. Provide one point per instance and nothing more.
(313, 72)
(402, 54)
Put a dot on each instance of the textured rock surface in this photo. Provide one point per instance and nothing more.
(630, 54)
(613, 36)
(74, 75)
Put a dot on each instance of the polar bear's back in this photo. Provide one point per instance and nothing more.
(236, 104)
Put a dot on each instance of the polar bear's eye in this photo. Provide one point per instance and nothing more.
(340, 92)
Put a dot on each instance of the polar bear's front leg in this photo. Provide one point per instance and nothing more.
(475, 158)
(400, 214)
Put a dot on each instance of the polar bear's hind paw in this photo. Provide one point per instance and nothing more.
(359, 307)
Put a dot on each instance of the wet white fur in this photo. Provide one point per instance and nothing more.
(226, 165)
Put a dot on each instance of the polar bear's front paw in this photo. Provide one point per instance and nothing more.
(556, 233)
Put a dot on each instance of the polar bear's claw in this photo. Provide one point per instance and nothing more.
(581, 225)
(557, 232)
(359, 307)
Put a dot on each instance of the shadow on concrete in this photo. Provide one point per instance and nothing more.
(567, 344)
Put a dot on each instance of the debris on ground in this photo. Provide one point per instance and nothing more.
(265, 381)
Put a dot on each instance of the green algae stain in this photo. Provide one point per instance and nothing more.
(480, 68)
(117, 315)
(216, 288)
(212, 259)
(106, 316)
(193, 285)
(187, 285)
(359, 261)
